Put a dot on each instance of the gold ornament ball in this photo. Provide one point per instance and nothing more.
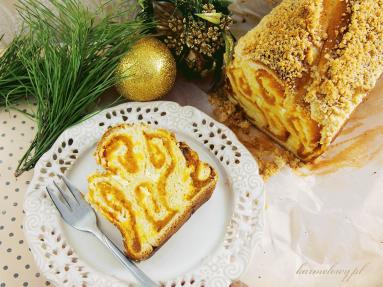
(149, 71)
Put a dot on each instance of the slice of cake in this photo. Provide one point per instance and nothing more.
(150, 187)
(304, 69)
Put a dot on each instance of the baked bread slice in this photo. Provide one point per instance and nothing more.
(150, 187)
(304, 69)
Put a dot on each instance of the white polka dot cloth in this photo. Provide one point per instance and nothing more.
(17, 267)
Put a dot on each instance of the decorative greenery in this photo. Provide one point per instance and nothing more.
(14, 82)
(197, 32)
(65, 59)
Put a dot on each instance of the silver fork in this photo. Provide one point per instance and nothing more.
(78, 213)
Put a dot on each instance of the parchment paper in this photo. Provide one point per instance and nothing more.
(327, 223)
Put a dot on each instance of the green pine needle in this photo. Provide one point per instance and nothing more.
(77, 53)
(13, 77)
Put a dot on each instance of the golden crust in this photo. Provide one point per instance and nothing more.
(142, 203)
(319, 59)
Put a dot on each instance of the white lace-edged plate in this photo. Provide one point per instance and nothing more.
(47, 235)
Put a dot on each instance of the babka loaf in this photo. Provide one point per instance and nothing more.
(150, 187)
(304, 69)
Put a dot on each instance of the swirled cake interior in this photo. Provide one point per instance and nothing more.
(151, 185)
(304, 69)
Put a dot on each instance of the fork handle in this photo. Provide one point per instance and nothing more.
(141, 277)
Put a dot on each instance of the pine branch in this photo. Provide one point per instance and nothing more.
(14, 83)
(78, 52)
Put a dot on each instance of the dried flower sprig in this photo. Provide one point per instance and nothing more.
(197, 32)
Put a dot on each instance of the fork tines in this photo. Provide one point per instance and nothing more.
(66, 202)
